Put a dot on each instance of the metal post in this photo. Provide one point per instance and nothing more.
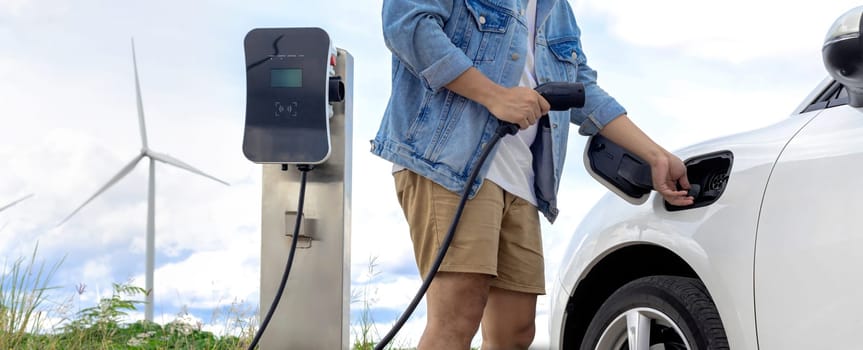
(151, 242)
(314, 312)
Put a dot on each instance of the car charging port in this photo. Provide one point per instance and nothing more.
(628, 176)
(708, 175)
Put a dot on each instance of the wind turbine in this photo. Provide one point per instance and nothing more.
(153, 156)
(7, 206)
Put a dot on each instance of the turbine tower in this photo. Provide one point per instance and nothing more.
(7, 206)
(146, 152)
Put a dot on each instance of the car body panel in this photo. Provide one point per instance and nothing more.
(717, 241)
(808, 260)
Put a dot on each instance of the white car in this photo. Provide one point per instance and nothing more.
(769, 257)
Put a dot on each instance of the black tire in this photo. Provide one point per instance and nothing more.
(683, 301)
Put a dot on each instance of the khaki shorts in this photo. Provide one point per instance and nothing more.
(498, 235)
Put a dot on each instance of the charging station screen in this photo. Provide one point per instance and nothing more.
(288, 77)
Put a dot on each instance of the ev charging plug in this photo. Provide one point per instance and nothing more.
(562, 96)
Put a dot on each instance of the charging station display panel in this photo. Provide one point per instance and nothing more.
(287, 96)
(286, 78)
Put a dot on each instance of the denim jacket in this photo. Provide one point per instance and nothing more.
(439, 134)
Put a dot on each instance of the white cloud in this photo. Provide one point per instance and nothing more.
(396, 293)
(746, 109)
(12, 6)
(208, 279)
(734, 31)
(97, 269)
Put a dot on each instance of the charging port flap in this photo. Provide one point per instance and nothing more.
(620, 171)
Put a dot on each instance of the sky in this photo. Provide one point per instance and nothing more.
(685, 70)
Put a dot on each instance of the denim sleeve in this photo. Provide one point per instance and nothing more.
(599, 107)
(414, 32)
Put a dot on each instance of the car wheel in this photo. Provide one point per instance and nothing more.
(657, 313)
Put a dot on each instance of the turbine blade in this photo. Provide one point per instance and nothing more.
(123, 172)
(7, 206)
(141, 124)
(164, 158)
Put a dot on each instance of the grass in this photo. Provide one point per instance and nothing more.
(366, 335)
(25, 309)
(31, 319)
(23, 289)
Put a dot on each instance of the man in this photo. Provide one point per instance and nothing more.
(459, 68)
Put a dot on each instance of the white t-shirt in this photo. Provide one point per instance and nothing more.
(512, 166)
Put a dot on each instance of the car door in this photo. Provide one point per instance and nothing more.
(808, 261)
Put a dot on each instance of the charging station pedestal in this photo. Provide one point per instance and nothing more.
(314, 311)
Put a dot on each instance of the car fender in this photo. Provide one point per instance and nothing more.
(716, 241)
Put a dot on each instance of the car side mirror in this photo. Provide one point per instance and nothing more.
(843, 54)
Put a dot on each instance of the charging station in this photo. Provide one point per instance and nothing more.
(295, 78)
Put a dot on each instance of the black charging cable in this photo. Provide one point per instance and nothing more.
(304, 169)
(502, 130)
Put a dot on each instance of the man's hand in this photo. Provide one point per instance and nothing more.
(521, 106)
(667, 172)
(666, 169)
(518, 105)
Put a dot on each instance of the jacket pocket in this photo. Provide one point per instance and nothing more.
(567, 51)
(448, 122)
(492, 22)
(419, 126)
